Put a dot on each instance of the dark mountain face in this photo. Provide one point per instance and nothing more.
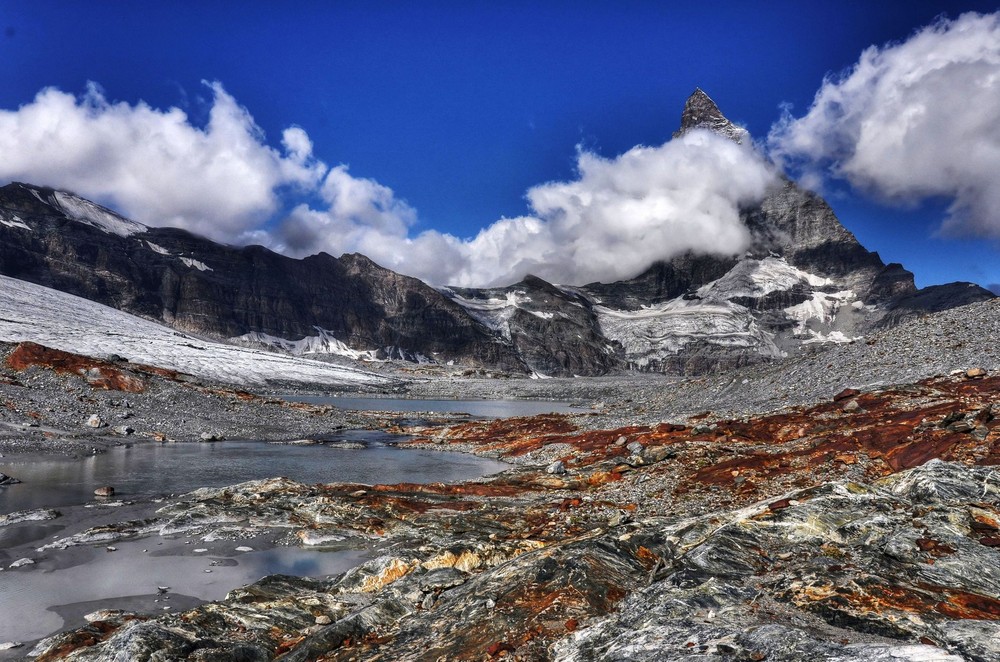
(196, 285)
(805, 279)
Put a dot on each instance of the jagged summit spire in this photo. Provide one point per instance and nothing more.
(700, 112)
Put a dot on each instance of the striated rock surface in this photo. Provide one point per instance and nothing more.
(865, 527)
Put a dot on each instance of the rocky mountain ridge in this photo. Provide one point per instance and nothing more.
(804, 280)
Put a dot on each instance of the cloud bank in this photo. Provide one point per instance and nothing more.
(911, 121)
(225, 182)
(619, 216)
(154, 165)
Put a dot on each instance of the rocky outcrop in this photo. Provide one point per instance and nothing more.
(866, 527)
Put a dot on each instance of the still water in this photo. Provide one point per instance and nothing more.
(61, 586)
(151, 469)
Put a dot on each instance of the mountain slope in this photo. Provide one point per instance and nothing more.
(804, 280)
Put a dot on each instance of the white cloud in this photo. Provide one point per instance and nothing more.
(154, 165)
(619, 216)
(911, 121)
(615, 219)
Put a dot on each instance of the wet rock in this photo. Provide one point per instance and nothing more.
(8, 480)
(19, 516)
(210, 436)
(557, 467)
(9, 645)
(105, 491)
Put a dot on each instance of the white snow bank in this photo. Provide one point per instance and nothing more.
(30, 312)
(97, 216)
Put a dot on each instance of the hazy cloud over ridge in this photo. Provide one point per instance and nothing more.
(910, 121)
(154, 165)
(619, 216)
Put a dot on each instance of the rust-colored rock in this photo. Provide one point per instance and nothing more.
(98, 373)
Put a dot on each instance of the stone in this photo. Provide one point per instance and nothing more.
(975, 373)
(9, 645)
(20, 563)
(95, 421)
(656, 454)
(105, 491)
(621, 441)
(852, 406)
(124, 430)
(557, 467)
(323, 619)
(962, 426)
(8, 480)
(635, 448)
(846, 393)
(209, 436)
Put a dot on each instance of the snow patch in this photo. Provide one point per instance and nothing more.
(156, 248)
(30, 312)
(14, 221)
(757, 278)
(195, 264)
(322, 343)
(816, 317)
(493, 313)
(657, 332)
(94, 215)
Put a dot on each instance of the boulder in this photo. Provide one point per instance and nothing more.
(105, 491)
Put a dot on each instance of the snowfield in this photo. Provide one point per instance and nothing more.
(30, 312)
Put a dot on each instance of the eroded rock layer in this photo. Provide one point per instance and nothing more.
(866, 527)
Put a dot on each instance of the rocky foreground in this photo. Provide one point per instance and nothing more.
(863, 527)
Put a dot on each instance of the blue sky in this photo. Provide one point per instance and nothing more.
(461, 108)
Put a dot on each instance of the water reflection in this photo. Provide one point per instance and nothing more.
(150, 469)
(28, 594)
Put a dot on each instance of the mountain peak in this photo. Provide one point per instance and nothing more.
(700, 112)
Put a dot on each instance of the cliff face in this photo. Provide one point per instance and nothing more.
(55, 239)
(805, 279)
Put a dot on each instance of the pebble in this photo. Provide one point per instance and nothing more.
(95, 421)
(244, 548)
(323, 619)
(556, 467)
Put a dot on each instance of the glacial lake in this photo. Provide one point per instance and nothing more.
(477, 408)
(61, 586)
(152, 469)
